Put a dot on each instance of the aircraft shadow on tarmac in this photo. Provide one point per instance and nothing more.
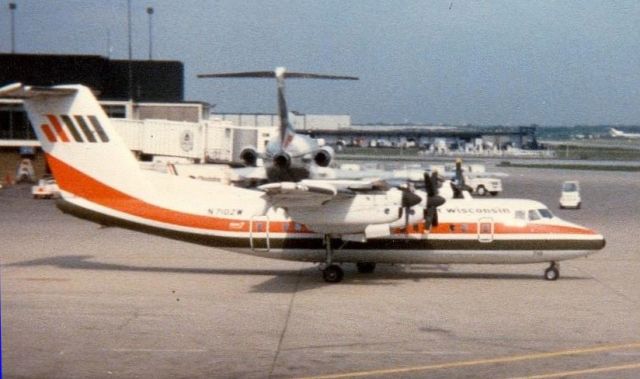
(385, 275)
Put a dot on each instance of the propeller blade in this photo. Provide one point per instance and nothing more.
(426, 214)
(435, 201)
(428, 185)
(409, 199)
(435, 179)
(459, 176)
(430, 213)
(430, 217)
(406, 220)
(457, 193)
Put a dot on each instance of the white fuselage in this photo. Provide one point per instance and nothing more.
(241, 220)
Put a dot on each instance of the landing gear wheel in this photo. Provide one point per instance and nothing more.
(366, 267)
(552, 273)
(481, 191)
(332, 274)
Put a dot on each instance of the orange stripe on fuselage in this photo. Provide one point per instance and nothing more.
(74, 181)
(541, 229)
(471, 228)
(500, 228)
(47, 132)
(56, 125)
(82, 185)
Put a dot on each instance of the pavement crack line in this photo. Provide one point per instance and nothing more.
(286, 323)
(608, 287)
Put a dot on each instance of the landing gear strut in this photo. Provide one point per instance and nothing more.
(553, 272)
(331, 273)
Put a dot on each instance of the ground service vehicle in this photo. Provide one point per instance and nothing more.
(570, 195)
(483, 185)
(47, 188)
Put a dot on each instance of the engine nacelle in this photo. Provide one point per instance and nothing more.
(249, 156)
(282, 160)
(324, 156)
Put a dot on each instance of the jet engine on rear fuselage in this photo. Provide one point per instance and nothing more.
(249, 156)
(323, 156)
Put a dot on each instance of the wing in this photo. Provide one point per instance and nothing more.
(311, 193)
(299, 194)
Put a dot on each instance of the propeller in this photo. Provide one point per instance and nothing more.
(459, 186)
(408, 200)
(433, 200)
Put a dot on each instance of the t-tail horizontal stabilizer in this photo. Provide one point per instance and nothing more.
(20, 91)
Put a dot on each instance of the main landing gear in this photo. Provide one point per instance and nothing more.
(553, 272)
(331, 273)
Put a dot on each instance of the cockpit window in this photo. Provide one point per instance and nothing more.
(534, 215)
(569, 187)
(520, 215)
(545, 213)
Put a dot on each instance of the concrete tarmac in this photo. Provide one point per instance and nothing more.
(80, 301)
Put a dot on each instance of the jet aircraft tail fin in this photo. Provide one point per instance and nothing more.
(280, 74)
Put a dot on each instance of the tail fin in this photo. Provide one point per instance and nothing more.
(280, 74)
(83, 150)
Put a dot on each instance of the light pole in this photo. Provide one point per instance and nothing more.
(150, 13)
(12, 8)
(130, 50)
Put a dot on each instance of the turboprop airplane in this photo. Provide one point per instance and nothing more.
(615, 133)
(288, 156)
(329, 222)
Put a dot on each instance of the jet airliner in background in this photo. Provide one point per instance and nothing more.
(289, 156)
(333, 222)
(615, 133)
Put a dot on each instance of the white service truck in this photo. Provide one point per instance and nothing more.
(483, 185)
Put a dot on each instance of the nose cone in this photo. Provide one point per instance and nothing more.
(582, 237)
(601, 242)
(592, 240)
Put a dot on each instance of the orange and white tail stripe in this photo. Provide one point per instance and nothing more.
(82, 128)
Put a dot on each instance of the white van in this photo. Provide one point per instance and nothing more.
(570, 195)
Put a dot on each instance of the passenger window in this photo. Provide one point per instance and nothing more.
(519, 215)
(534, 215)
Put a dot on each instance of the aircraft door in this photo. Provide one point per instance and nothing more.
(485, 229)
(259, 233)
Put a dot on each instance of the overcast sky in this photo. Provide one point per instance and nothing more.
(454, 62)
